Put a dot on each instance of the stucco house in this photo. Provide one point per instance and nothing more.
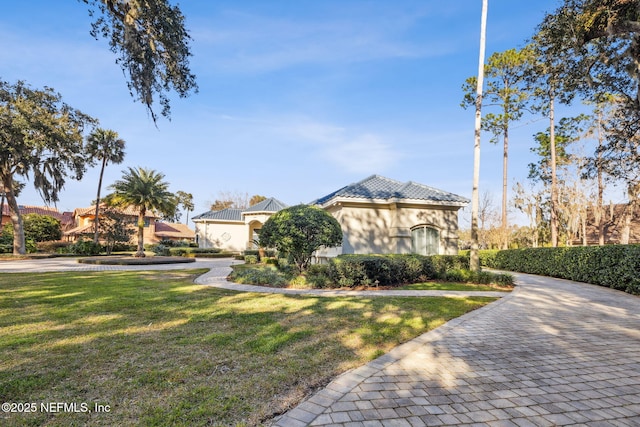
(65, 218)
(234, 229)
(154, 230)
(378, 215)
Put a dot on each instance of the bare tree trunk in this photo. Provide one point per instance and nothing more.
(554, 179)
(626, 228)
(474, 261)
(96, 221)
(19, 244)
(600, 208)
(140, 252)
(505, 157)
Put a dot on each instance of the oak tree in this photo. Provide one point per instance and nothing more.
(41, 139)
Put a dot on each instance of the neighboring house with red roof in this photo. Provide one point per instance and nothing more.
(377, 215)
(154, 230)
(65, 218)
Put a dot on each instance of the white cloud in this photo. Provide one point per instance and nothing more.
(351, 150)
(251, 43)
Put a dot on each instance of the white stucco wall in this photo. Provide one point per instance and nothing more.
(229, 236)
(386, 228)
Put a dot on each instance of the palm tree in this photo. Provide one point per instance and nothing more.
(186, 201)
(104, 144)
(145, 190)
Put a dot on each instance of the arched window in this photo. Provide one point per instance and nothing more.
(425, 240)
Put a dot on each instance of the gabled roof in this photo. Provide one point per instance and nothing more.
(179, 231)
(229, 214)
(379, 188)
(129, 210)
(267, 205)
(64, 217)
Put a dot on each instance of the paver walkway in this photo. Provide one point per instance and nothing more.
(552, 353)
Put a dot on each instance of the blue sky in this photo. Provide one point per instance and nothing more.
(296, 100)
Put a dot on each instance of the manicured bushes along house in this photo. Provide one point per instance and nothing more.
(615, 266)
(386, 270)
(365, 270)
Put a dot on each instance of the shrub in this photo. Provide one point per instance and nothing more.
(53, 247)
(85, 247)
(298, 231)
(251, 259)
(258, 276)
(123, 247)
(616, 266)
(177, 251)
(160, 250)
(318, 275)
(384, 270)
(214, 255)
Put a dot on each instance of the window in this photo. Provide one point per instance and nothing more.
(425, 240)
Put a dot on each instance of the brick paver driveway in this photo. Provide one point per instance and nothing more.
(553, 353)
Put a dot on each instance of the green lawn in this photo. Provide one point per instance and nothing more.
(448, 286)
(161, 350)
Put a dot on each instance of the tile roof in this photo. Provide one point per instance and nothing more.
(166, 229)
(83, 229)
(129, 210)
(229, 214)
(267, 205)
(64, 217)
(377, 187)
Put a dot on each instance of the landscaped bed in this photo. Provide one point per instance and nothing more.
(157, 349)
(131, 260)
(374, 272)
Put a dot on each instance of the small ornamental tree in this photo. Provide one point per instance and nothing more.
(115, 228)
(299, 231)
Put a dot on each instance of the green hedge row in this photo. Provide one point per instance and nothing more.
(386, 270)
(615, 266)
(184, 251)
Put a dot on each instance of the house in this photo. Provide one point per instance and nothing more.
(154, 230)
(65, 218)
(170, 231)
(379, 215)
(234, 229)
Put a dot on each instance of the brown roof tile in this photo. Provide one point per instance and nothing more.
(126, 211)
(165, 229)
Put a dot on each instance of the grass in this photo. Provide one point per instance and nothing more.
(160, 350)
(452, 286)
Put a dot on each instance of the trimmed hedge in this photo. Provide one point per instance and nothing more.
(186, 251)
(615, 266)
(388, 270)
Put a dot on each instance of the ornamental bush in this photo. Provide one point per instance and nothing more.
(615, 266)
(85, 247)
(298, 231)
(391, 270)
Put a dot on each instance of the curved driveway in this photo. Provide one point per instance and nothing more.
(553, 352)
